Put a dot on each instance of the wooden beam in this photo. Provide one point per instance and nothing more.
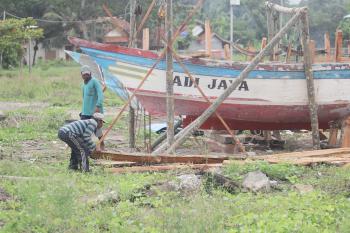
(145, 39)
(180, 138)
(251, 49)
(263, 43)
(346, 133)
(149, 159)
(121, 170)
(310, 80)
(207, 37)
(309, 154)
(338, 46)
(327, 46)
(333, 134)
(227, 52)
(282, 9)
(289, 52)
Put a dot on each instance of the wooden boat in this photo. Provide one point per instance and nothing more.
(274, 96)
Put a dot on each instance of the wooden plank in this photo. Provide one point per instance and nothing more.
(314, 153)
(162, 168)
(207, 38)
(145, 39)
(149, 159)
(309, 161)
(110, 163)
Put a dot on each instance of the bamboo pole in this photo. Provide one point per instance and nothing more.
(310, 80)
(161, 56)
(179, 139)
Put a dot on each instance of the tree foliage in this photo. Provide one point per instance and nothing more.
(13, 34)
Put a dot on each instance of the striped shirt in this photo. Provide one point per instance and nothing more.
(83, 129)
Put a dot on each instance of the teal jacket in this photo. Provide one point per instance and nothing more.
(92, 97)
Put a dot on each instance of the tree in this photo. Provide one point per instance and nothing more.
(325, 16)
(13, 34)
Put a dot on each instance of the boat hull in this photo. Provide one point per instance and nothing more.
(274, 96)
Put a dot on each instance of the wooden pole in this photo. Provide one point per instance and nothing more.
(270, 28)
(345, 139)
(338, 46)
(161, 56)
(333, 134)
(310, 80)
(207, 38)
(327, 46)
(169, 75)
(227, 52)
(145, 40)
(145, 17)
(312, 51)
(149, 133)
(132, 45)
(180, 138)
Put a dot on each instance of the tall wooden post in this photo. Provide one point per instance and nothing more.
(327, 46)
(338, 46)
(169, 76)
(207, 38)
(180, 137)
(310, 80)
(132, 44)
(145, 39)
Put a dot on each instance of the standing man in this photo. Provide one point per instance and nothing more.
(92, 98)
(77, 135)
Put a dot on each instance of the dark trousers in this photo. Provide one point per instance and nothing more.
(80, 152)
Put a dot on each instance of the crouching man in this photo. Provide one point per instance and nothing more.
(77, 135)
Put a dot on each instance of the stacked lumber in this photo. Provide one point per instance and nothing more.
(339, 157)
(127, 163)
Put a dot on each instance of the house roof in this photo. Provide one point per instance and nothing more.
(118, 22)
(200, 29)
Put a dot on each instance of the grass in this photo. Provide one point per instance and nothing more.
(56, 200)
